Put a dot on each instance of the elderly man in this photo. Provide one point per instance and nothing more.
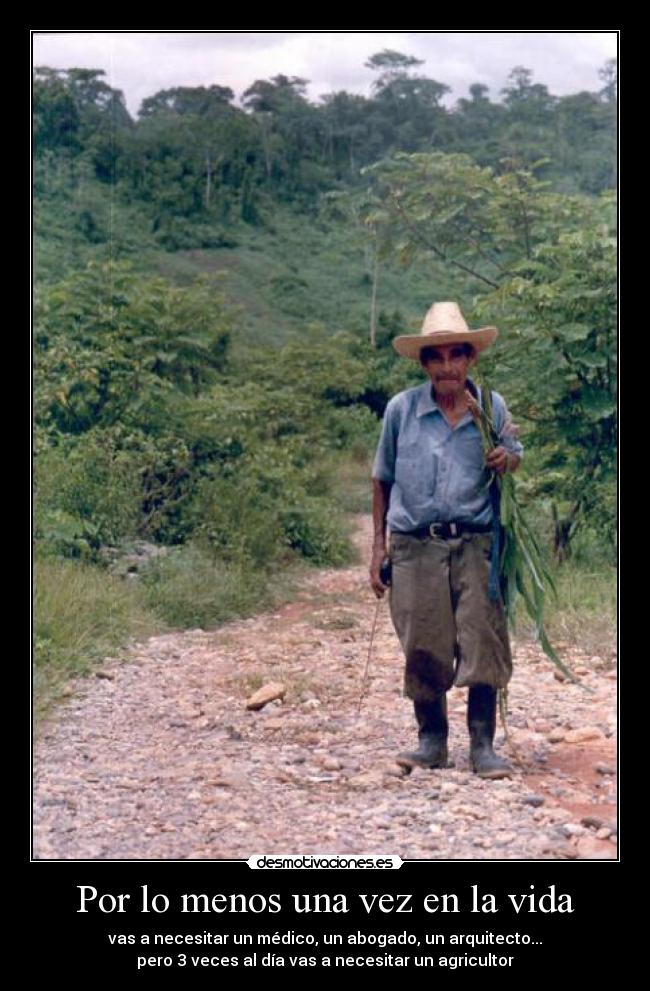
(431, 491)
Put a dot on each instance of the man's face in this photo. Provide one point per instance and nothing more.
(447, 367)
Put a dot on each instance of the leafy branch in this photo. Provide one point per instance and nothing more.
(434, 247)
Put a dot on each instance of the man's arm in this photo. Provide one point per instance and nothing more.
(380, 502)
(383, 473)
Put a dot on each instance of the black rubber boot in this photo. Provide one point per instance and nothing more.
(481, 721)
(433, 730)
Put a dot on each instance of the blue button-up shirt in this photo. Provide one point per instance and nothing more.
(437, 472)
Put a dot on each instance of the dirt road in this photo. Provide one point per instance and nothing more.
(157, 757)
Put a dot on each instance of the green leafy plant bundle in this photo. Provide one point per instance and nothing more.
(522, 569)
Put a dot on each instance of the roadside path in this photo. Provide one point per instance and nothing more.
(157, 758)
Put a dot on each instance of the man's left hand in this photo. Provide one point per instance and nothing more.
(497, 460)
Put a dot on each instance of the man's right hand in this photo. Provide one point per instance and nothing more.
(378, 555)
(380, 503)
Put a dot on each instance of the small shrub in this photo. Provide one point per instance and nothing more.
(316, 533)
(190, 588)
(87, 494)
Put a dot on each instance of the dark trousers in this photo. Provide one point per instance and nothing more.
(451, 632)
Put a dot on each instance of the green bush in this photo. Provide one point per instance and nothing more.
(59, 534)
(266, 510)
(110, 344)
(317, 533)
(191, 588)
(237, 520)
(355, 429)
(87, 494)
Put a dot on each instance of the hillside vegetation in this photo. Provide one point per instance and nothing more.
(216, 291)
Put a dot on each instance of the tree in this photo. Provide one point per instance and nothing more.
(197, 100)
(545, 263)
(409, 104)
(347, 139)
(478, 124)
(609, 76)
(187, 165)
(528, 135)
(56, 114)
(527, 99)
(289, 128)
(276, 95)
(559, 311)
(205, 117)
(392, 65)
(585, 150)
(76, 112)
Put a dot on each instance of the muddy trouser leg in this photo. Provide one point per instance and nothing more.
(484, 659)
(422, 615)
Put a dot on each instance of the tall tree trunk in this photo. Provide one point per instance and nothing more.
(564, 529)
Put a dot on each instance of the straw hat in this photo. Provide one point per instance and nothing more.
(444, 324)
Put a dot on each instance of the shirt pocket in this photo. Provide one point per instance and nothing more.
(470, 449)
(416, 470)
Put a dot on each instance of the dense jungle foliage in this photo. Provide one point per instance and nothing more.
(216, 291)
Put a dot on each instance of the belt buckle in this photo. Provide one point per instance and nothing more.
(438, 529)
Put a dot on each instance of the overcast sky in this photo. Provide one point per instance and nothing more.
(141, 63)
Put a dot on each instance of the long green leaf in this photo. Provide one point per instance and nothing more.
(521, 528)
(521, 545)
(522, 559)
(534, 552)
(542, 637)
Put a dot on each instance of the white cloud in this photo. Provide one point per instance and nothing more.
(141, 63)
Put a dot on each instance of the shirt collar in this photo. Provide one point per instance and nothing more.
(427, 404)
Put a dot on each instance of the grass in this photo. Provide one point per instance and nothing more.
(188, 589)
(82, 614)
(297, 274)
(585, 613)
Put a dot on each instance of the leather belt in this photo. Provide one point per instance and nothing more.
(446, 530)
